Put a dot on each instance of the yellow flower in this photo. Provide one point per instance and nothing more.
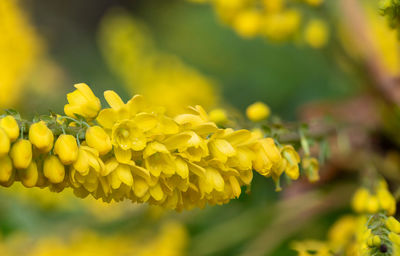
(127, 135)
(10, 126)
(316, 33)
(360, 199)
(21, 154)
(29, 176)
(393, 225)
(41, 137)
(293, 159)
(267, 155)
(4, 143)
(218, 116)
(311, 168)
(158, 160)
(6, 169)
(314, 2)
(247, 23)
(66, 148)
(257, 112)
(386, 200)
(98, 139)
(82, 102)
(53, 169)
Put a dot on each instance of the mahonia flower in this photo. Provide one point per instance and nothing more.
(135, 151)
(257, 111)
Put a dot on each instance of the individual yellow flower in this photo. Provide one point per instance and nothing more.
(257, 112)
(360, 200)
(311, 168)
(393, 225)
(41, 136)
(29, 176)
(98, 139)
(292, 159)
(10, 126)
(127, 135)
(6, 169)
(316, 33)
(4, 143)
(66, 148)
(53, 169)
(218, 116)
(82, 102)
(21, 154)
(247, 23)
(267, 155)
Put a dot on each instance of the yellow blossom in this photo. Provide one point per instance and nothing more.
(257, 112)
(393, 225)
(21, 154)
(98, 139)
(66, 148)
(41, 136)
(53, 169)
(10, 126)
(6, 169)
(316, 33)
(247, 23)
(218, 116)
(4, 143)
(29, 176)
(82, 102)
(311, 167)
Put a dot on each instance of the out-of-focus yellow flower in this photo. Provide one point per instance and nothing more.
(20, 47)
(10, 126)
(258, 111)
(83, 102)
(314, 2)
(4, 143)
(29, 176)
(292, 160)
(316, 33)
(162, 78)
(53, 169)
(98, 139)
(393, 225)
(218, 116)
(66, 148)
(21, 154)
(41, 136)
(311, 168)
(6, 168)
(248, 23)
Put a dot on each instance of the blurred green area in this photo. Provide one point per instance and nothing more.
(284, 76)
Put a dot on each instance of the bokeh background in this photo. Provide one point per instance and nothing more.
(176, 53)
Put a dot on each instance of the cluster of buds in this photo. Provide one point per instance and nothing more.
(135, 151)
(277, 20)
(379, 199)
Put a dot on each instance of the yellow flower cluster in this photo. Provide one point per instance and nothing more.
(170, 240)
(379, 200)
(19, 49)
(278, 20)
(367, 234)
(161, 77)
(135, 151)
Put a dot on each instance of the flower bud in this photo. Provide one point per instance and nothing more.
(360, 199)
(10, 126)
(41, 137)
(29, 176)
(393, 225)
(98, 139)
(21, 154)
(53, 169)
(218, 116)
(4, 143)
(82, 102)
(66, 148)
(6, 169)
(257, 112)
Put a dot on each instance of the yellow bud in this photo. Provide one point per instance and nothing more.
(98, 139)
(10, 126)
(83, 102)
(6, 169)
(393, 224)
(66, 148)
(386, 200)
(4, 143)
(29, 176)
(247, 23)
(218, 116)
(41, 137)
(311, 167)
(395, 238)
(21, 154)
(373, 204)
(376, 241)
(53, 169)
(257, 112)
(360, 199)
(316, 34)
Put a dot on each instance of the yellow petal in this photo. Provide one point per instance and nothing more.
(113, 100)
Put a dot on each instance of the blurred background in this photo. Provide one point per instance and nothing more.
(176, 53)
